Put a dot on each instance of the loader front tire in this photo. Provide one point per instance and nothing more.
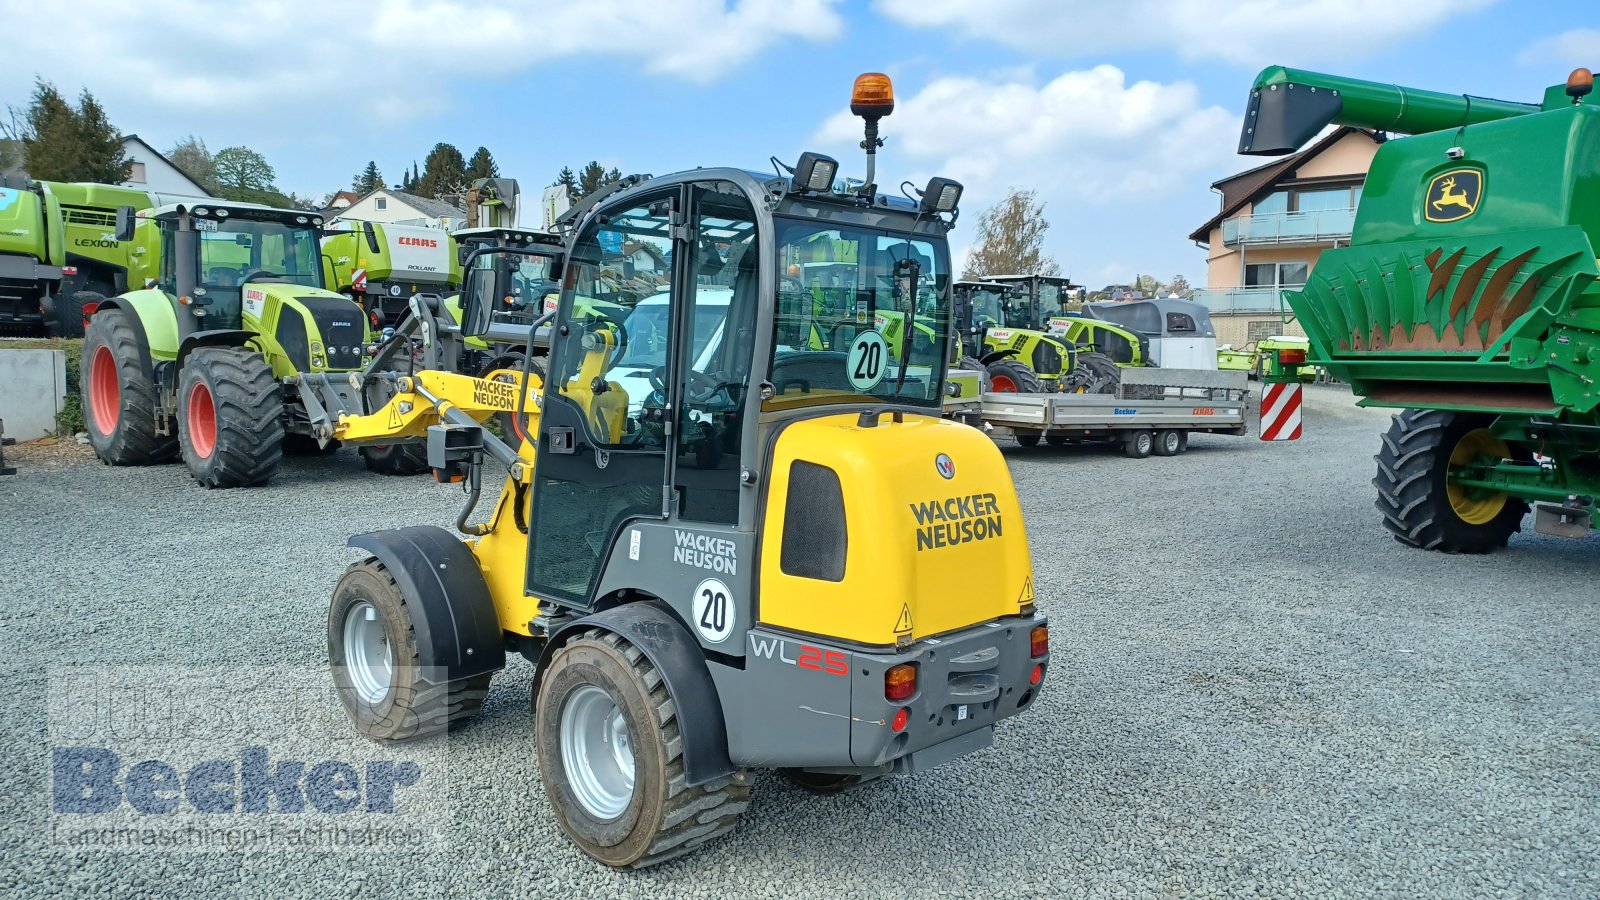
(611, 757)
(1420, 507)
(230, 417)
(372, 650)
(119, 398)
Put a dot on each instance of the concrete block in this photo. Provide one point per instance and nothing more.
(33, 387)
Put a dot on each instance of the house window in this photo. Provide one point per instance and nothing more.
(1286, 274)
(1276, 202)
(383, 202)
(136, 173)
(1260, 331)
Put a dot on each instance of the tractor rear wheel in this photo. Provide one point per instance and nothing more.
(372, 649)
(1420, 506)
(230, 417)
(119, 398)
(1007, 376)
(972, 364)
(611, 758)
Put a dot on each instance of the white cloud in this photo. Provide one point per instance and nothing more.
(365, 63)
(1096, 148)
(1247, 32)
(1578, 47)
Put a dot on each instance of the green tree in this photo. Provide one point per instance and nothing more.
(568, 180)
(1146, 283)
(62, 143)
(1178, 285)
(443, 172)
(482, 165)
(1010, 239)
(194, 160)
(594, 177)
(369, 180)
(245, 175)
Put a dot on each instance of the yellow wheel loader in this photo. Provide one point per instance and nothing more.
(724, 546)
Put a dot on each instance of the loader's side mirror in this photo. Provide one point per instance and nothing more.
(477, 301)
(124, 226)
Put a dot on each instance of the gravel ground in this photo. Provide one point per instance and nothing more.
(1256, 692)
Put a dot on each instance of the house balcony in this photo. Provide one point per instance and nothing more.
(1322, 226)
(1241, 300)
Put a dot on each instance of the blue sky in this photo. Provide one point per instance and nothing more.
(1119, 114)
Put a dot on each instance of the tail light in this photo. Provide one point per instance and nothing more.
(69, 270)
(1039, 641)
(1292, 357)
(900, 682)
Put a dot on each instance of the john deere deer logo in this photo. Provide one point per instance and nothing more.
(1453, 195)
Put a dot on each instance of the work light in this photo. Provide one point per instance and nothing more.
(815, 172)
(941, 195)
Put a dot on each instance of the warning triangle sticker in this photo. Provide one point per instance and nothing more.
(1027, 591)
(904, 624)
(394, 417)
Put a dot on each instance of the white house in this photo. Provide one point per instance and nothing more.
(391, 207)
(154, 172)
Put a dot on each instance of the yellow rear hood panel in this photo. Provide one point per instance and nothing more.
(927, 554)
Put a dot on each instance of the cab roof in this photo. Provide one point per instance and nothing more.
(234, 209)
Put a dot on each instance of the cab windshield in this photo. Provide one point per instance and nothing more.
(232, 250)
(850, 325)
(988, 307)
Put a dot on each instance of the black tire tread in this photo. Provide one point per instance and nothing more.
(249, 406)
(1411, 496)
(1026, 379)
(135, 442)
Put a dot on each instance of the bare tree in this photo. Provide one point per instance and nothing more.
(1011, 238)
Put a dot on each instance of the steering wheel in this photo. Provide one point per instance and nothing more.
(259, 275)
(699, 382)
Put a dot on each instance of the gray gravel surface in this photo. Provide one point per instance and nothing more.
(1256, 692)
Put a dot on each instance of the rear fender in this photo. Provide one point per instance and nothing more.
(458, 633)
(650, 626)
(154, 321)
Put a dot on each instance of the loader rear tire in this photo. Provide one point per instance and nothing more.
(611, 758)
(1420, 507)
(119, 397)
(372, 650)
(230, 417)
(1007, 376)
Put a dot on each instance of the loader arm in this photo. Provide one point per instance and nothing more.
(439, 398)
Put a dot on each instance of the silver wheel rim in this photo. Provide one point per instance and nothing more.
(367, 654)
(597, 752)
(1170, 443)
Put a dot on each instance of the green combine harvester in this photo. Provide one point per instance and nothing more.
(1466, 299)
(59, 255)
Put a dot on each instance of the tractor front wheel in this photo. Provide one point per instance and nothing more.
(372, 649)
(230, 417)
(1421, 507)
(1007, 376)
(611, 758)
(119, 397)
(1095, 373)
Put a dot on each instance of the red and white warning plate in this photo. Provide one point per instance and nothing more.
(1280, 412)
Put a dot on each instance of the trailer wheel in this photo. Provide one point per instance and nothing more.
(611, 758)
(1057, 440)
(1007, 376)
(1168, 442)
(1027, 438)
(372, 650)
(1138, 444)
(119, 399)
(1420, 507)
(230, 417)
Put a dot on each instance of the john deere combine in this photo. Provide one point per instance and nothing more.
(1466, 299)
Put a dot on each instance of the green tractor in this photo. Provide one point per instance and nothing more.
(1002, 332)
(1466, 299)
(207, 362)
(59, 257)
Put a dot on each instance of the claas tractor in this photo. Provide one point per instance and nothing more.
(1466, 299)
(723, 548)
(1002, 332)
(209, 361)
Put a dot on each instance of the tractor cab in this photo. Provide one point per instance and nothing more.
(1045, 297)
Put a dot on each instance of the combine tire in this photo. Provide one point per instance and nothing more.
(1095, 373)
(1420, 507)
(119, 398)
(230, 417)
(372, 648)
(64, 317)
(612, 758)
(1007, 376)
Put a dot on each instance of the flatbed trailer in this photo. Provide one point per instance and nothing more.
(1152, 412)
